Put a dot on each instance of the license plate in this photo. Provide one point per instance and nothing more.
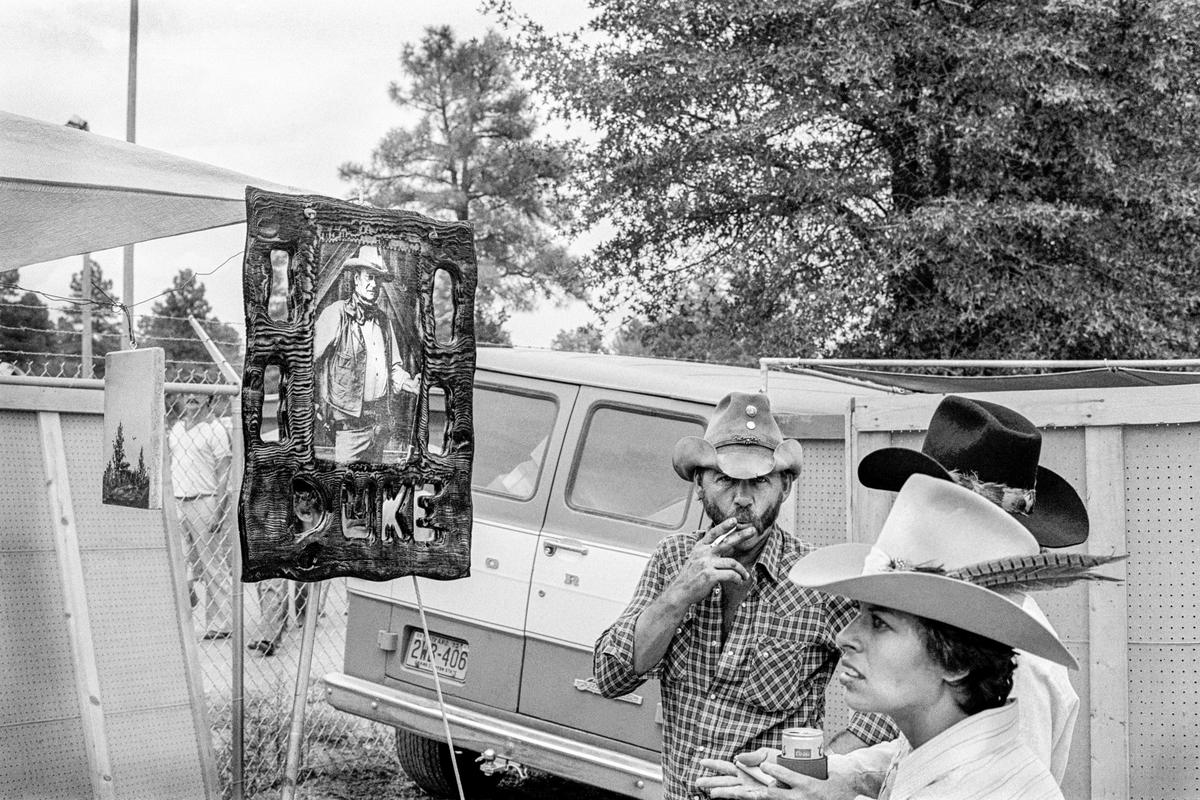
(448, 655)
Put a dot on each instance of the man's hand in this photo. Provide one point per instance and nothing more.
(710, 564)
(841, 785)
(728, 777)
(403, 382)
(707, 566)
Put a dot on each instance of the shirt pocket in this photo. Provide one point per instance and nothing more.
(778, 675)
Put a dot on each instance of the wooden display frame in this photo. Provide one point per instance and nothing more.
(303, 514)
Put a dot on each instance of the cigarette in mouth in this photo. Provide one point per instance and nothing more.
(722, 537)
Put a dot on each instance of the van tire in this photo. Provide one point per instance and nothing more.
(427, 763)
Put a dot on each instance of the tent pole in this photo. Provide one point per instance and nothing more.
(130, 136)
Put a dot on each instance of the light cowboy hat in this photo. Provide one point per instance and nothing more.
(742, 440)
(994, 451)
(944, 553)
(368, 258)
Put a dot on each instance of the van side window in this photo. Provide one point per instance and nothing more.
(511, 434)
(624, 466)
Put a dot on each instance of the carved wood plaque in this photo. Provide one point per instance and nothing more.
(341, 328)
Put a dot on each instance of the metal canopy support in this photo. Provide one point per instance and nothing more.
(765, 364)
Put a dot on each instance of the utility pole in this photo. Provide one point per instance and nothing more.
(85, 335)
(130, 131)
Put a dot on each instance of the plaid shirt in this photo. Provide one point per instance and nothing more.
(770, 675)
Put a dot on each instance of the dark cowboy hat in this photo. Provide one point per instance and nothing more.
(368, 258)
(994, 451)
(743, 440)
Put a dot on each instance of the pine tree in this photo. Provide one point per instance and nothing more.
(473, 155)
(167, 327)
(26, 333)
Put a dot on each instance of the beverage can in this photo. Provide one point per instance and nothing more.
(803, 743)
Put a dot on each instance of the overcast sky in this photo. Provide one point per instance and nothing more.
(285, 90)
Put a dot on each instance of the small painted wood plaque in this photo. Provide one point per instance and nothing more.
(133, 428)
(354, 475)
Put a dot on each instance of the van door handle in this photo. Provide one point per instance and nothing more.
(553, 546)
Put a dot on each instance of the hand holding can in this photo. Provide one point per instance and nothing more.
(804, 752)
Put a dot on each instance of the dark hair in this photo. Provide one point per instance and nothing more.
(988, 664)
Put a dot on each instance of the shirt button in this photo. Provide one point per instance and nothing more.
(712, 643)
(712, 696)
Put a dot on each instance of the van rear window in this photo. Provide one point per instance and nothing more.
(624, 466)
(511, 433)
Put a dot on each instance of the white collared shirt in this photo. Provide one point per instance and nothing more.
(377, 368)
(979, 758)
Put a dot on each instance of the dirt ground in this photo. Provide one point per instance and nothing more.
(373, 784)
(379, 781)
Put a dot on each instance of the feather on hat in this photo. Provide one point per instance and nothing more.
(945, 553)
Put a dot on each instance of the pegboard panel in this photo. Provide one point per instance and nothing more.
(1164, 705)
(820, 493)
(150, 758)
(1067, 610)
(1063, 451)
(103, 526)
(24, 517)
(131, 605)
(149, 723)
(37, 677)
(44, 760)
(837, 713)
(1161, 479)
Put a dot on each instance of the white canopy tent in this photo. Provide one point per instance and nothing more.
(65, 191)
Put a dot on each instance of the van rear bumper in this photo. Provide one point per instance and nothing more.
(476, 731)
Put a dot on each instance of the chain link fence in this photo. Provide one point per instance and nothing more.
(34, 344)
(200, 437)
(342, 756)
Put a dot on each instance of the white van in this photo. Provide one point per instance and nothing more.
(573, 488)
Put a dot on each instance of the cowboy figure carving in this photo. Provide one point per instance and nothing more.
(361, 377)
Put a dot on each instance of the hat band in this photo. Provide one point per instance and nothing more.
(1012, 499)
(1013, 573)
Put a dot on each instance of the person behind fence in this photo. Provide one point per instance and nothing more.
(361, 377)
(200, 459)
(740, 652)
(994, 451)
(934, 645)
(272, 603)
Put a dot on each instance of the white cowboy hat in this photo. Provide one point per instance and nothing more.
(936, 538)
(368, 258)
